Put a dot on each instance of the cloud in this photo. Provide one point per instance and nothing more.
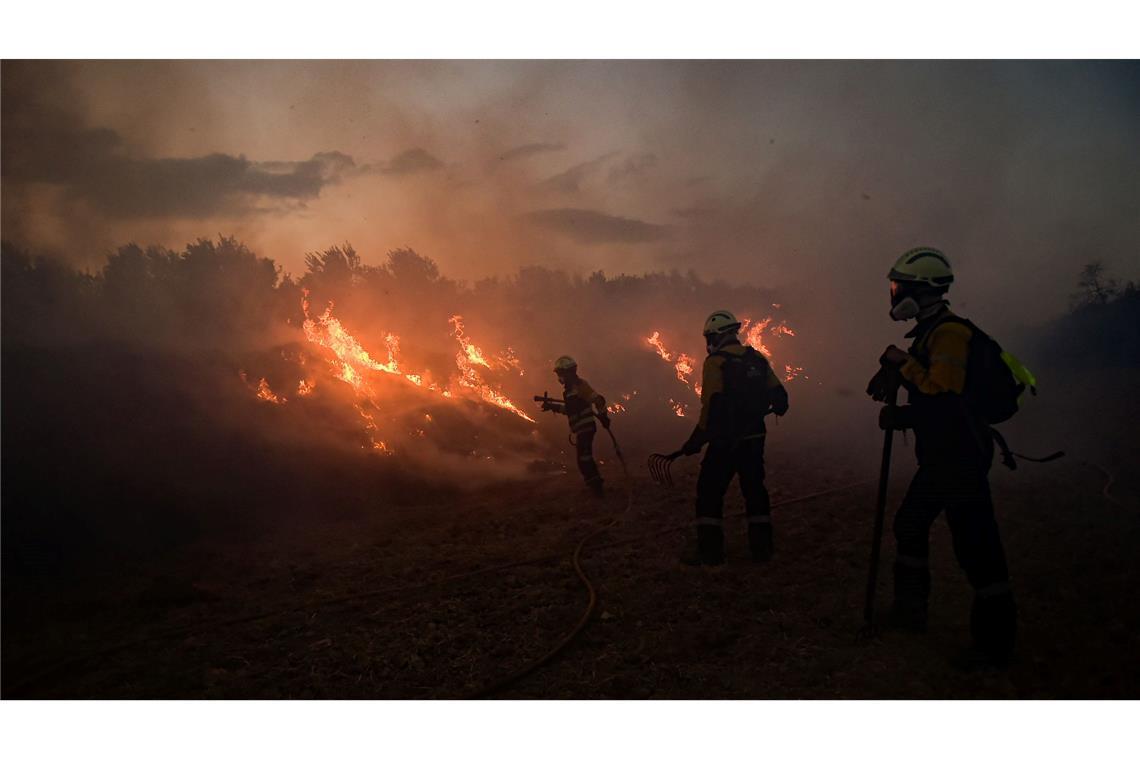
(570, 181)
(46, 143)
(594, 227)
(411, 161)
(632, 167)
(530, 149)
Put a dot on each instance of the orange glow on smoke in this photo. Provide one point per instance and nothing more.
(471, 356)
(752, 333)
(684, 366)
(351, 363)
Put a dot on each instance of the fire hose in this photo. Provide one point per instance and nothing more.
(53, 669)
(591, 592)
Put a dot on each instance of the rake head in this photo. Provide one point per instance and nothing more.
(659, 465)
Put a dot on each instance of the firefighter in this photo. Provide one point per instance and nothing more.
(954, 448)
(738, 388)
(581, 403)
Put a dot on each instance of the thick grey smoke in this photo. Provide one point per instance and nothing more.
(805, 176)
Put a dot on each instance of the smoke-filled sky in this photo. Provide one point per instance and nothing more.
(803, 176)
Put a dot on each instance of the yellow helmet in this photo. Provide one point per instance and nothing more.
(721, 322)
(925, 265)
(565, 364)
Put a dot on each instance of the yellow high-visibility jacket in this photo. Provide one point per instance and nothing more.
(946, 429)
(714, 422)
(581, 402)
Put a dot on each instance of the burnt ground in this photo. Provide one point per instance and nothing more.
(661, 630)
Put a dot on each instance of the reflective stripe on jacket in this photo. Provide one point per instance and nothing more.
(581, 403)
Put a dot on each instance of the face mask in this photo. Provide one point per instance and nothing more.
(904, 305)
(905, 309)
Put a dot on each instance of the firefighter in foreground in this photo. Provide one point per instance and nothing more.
(946, 372)
(580, 403)
(738, 388)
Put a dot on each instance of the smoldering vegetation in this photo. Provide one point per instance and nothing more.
(175, 393)
(185, 439)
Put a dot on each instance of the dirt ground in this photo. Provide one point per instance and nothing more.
(163, 628)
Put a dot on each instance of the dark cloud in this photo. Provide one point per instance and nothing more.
(411, 161)
(530, 149)
(570, 181)
(632, 167)
(593, 227)
(45, 143)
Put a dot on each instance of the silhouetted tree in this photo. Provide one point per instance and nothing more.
(1093, 286)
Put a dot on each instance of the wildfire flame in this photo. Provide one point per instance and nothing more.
(351, 363)
(752, 333)
(471, 356)
(684, 365)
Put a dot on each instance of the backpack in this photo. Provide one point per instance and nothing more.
(995, 383)
(746, 383)
(995, 379)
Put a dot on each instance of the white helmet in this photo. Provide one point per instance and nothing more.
(925, 265)
(565, 364)
(721, 322)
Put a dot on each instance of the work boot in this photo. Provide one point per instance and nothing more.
(908, 617)
(760, 541)
(993, 627)
(912, 589)
(597, 487)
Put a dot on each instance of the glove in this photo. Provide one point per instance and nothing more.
(895, 418)
(546, 407)
(884, 381)
(691, 446)
(893, 356)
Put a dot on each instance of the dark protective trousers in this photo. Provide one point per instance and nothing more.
(584, 442)
(722, 461)
(964, 493)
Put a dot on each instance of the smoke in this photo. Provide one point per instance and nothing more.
(807, 176)
(528, 185)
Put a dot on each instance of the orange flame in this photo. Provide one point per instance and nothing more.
(353, 364)
(752, 333)
(684, 366)
(471, 356)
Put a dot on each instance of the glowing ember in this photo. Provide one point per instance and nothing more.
(264, 393)
(678, 408)
(791, 372)
(262, 390)
(306, 388)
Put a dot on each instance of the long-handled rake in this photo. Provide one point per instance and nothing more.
(659, 465)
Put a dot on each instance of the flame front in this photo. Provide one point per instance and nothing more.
(752, 333)
(351, 363)
(471, 356)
